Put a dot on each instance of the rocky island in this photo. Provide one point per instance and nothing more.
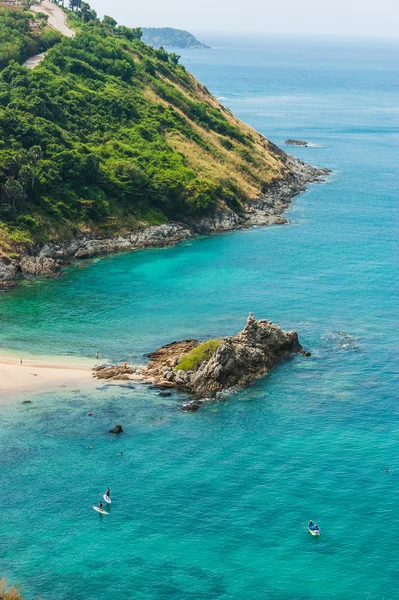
(205, 369)
(297, 143)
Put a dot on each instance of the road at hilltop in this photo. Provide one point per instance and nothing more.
(57, 19)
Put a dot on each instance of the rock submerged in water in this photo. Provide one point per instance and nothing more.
(116, 429)
(297, 143)
(231, 361)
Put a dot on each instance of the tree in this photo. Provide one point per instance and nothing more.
(14, 192)
(87, 13)
(128, 33)
(109, 23)
(75, 4)
(25, 175)
(35, 153)
(174, 58)
(26, 4)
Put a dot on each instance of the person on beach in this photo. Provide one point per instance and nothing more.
(125, 365)
(20, 362)
(108, 493)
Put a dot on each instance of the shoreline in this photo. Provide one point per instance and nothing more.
(39, 374)
(48, 373)
(47, 261)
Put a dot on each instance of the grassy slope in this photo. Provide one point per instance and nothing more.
(107, 133)
(194, 358)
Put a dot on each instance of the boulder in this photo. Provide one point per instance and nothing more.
(116, 429)
(190, 407)
(116, 372)
(41, 266)
(296, 143)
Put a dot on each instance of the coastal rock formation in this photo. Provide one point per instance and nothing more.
(264, 210)
(8, 271)
(232, 361)
(116, 429)
(42, 265)
(297, 143)
(116, 373)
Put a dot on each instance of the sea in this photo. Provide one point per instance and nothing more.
(214, 505)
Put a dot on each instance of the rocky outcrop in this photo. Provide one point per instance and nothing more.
(116, 373)
(296, 143)
(237, 361)
(117, 429)
(42, 266)
(8, 271)
(265, 210)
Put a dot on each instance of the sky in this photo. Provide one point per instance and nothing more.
(375, 18)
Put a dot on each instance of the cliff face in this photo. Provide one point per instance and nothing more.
(234, 361)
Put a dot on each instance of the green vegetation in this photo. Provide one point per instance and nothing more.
(22, 34)
(170, 38)
(7, 593)
(107, 134)
(192, 359)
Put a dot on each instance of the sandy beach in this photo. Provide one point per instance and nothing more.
(33, 375)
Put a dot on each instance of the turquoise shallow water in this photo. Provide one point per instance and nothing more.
(212, 505)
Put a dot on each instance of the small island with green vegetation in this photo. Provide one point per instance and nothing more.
(168, 37)
(204, 370)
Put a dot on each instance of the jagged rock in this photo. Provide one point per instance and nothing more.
(7, 285)
(296, 143)
(8, 270)
(117, 373)
(41, 266)
(190, 407)
(116, 429)
(237, 361)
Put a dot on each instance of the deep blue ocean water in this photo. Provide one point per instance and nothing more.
(213, 505)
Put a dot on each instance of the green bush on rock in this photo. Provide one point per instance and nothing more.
(202, 352)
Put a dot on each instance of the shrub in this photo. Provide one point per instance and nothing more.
(197, 355)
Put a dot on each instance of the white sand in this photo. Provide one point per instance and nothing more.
(35, 375)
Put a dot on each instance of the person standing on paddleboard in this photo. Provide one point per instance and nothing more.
(108, 493)
(100, 506)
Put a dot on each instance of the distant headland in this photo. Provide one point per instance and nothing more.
(168, 37)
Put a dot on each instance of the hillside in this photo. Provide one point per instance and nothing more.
(168, 37)
(107, 135)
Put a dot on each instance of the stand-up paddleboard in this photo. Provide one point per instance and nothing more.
(107, 499)
(100, 510)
